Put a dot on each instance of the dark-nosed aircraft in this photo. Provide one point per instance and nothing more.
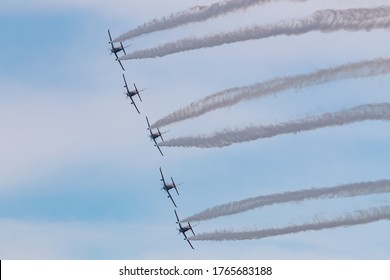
(169, 186)
(115, 50)
(183, 229)
(155, 135)
(130, 94)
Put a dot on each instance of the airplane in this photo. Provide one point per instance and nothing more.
(115, 50)
(130, 94)
(183, 229)
(155, 135)
(168, 187)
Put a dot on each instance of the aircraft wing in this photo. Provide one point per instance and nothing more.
(123, 48)
(124, 79)
(120, 63)
(160, 134)
(190, 244)
(191, 228)
(177, 217)
(162, 177)
(109, 35)
(173, 183)
(132, 102)
(148, 124)
(155, 142)
(112, 46)
(158, 147)
(185, 235)
(136, 90)
(187, 240)
(169, 195)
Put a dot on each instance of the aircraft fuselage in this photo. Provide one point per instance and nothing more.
(168, 187)
(116, 49)
(184, 229)
(130, 93)
(154, 135)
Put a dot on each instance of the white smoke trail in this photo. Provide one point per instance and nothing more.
(348, 190)
(380, 111)
(350, 219)
(323, 20)
(232, 96)
(195, 14)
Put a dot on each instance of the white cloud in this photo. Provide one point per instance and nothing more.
(114, 8)
(44, 130)
(149, 9)
(106, 240)
(73, 240)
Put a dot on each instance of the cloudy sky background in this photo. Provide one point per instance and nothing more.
(79, 176)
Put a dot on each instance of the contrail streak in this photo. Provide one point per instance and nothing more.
(380, 111)
(350, 219)
(229, 97)
(322, 20)
(194, 14)
(347, 190)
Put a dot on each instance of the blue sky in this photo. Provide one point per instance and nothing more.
(80, 177)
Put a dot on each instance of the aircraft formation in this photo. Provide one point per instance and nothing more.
(349, 20)
(154, 135)
(167, 187)
(131, 93)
